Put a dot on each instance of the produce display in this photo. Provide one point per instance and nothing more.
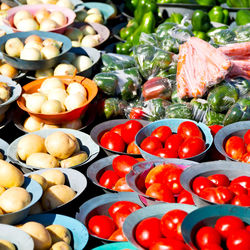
(160, 86)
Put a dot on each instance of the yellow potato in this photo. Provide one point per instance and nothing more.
(2, 189)
(6, 245)
(30, 144)
(56, 196)
(54, 177)
(74, 160)
(60, 145)
(1, 211)
(39, 234)
(61, 245)
(10, 176)
(14, 199)
(42, 160)
(76, 142)
(40, 179)
(59, 233)
(36, 208)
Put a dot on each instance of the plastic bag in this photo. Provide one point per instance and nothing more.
(179, 110)
(242, 33)
(113, 107)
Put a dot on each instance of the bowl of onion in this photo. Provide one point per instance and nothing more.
(57, 99)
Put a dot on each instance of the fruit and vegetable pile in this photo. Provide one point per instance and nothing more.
(108, 110)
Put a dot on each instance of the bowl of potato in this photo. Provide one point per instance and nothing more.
(52, 148)
(17, 194)
(3, 149)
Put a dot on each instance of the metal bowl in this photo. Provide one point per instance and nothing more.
(139, 172)
(173, 124)
(99, 129)
(16, 236)
(99, 206)
(116, 31)
(230, 169)
(37, 64)
(235, 129)
(78, 231)
(207, 216)
(84, 140)
(3, 148)
(152, 211)
(35, 191)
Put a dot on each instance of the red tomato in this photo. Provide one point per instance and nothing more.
(200, 183)
(123, 164)
(189, 129)
(150, 144)
(237, 189)
(118, 235)
(219, 180)
(160, 192)
(248, 148)
(108, 179)
(117, 129)
(101, 226)
(148, 231)
(165, 153)
(239, 240)
(133, 149)
(244, 181)
(248, 228)
(173, 142)
(173, 180)
(191, 146)
(122, 186)
(185, 198)
(121, 215)
(246, 157)
(171, 223)
(112, 141)
(220, 195)
(129, 130)
(241, 200)
(212, 247)
(136, 113)
(247, 137)
(157, 174)
(119, 204)
(235, 147)
(206, 236)
(227, 224)
(214, 129)
(168, 244)
(162, 133)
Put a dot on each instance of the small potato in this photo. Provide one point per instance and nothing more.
(6, 245)
(76, 142)
(40, 179)
(61, 245)
(54, 177)
(74, 160)
(36, 208)
(42, 160)
(2, 189)
(59, 233)
(56, 196)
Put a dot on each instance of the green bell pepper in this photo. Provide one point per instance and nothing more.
(242, 33)
(242, 17)
(221, 1)
(175, 18)
(219, 15)
(179, 110)
(239, 3)
(107, 82)
(114, 107)
(129, 29)
(143, 7)
(224, 37)
(200, 21)
(212, 31)
(206, 2)
(202, 35)
(213, 118)
(123, 48)
(130, 5)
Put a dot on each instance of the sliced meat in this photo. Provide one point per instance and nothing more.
(199, 67)
(236, 49)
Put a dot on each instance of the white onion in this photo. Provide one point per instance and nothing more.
(76, 87)
(64, 69)
(21, 14)
(87, 30)
(66, 4)
(48, 25)
(74, 34)
(58, 17)
(41, 15)
(34, 44)
(13, 47)
(75, 101)
(49, 84)
(50, 41)
(31, 124)
(93, 18)
(42, 73)
(50, 51)
(30, 54)
(52, 107)
(82, 63)
(94, 11)
(75, 124)
(34, 101)
(90, 41)
(27, 24)
(57, 94)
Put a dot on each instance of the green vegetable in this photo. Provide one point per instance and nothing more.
(175, 18)
(175, 98)
(107, 82)
(176, 1)
(200, 21)
(239, 3)
(242, 33)
(149, 39)
(221, 1)
(179, 110)
(213, 118)
(123, 48)
(129, 90)
(242, 17)
(202, 35)
(168, 43)
(242, 85)
(163, 29)
(143, 7)
(240, 111)
(200, 108)
(224, 37)
(213, 31)
(131, 5)
(113, 107)
(129, 29)
(206, 2)
(222, 97)
(157, 108)
(219, 15)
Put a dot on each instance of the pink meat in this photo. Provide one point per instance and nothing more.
(240, 68)
(236, 49)
(199, 67)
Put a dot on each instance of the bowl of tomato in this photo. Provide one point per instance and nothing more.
(109, 173)
(218, 182)
(157, 226)
(159, 181)
(104, 215)
(217, 227)
(233, 141)
(174, 138)
(117, 136)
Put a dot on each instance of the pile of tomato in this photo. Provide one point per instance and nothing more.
(239, 148)
(188, 141)
(219, 189)
(121, 137)
(110, 228)
(229, 232)
(165, 233)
